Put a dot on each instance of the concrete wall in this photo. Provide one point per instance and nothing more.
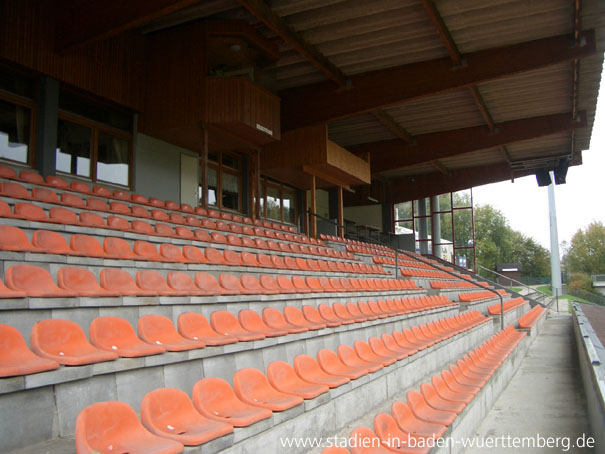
(158, 168)
(365, 215)
(591, 355)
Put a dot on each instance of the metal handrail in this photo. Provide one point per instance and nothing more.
(527, 287)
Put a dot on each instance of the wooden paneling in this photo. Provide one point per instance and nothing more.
(112, 69)
(242, 107)
(348, 163)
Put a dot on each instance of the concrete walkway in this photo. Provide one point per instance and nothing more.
(544, 397)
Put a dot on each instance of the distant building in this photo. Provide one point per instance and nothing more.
(510, 270)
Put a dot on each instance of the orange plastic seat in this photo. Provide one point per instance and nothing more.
(147, 251)
(331, 363)
(16, 358)
(232, 284)
(171, 253)
(164, 230)
(446, 393)
(139, 212)
(169, 413)
(283, 378)
(215, 399)
(312, 314)
(15, 239)
(29, 211)
(138, 198)
(65, 342)
(7, 172)
(225, 323)
(275, 319)
(252, 322)
(327, 313)
(159, 330)
(72, 200)
(440, 403)
(79, 186)
(456, 386)
(214, 256)
(307, 368)
(350, 357)
(195, 326)
(87, 246)
(232, 258)
(14, 190)
(142, 227)
(367, 353)
(91, 220)
(366, 442)
(118, 223)
(45, 195)
(269, 284)
(251, 285)
(424, 411)
(82, 282)
(101, 191)
(116, 335)
(207, 284)
(62, 215)
(118, 248)
(378, 346)
(295, 317)
(396, 439)
(31, 177)
(34, 282)
(183, 283)
(252, 387)
(119, 280)
(93, 203)
(156, 202)
(57, 182)
(194, 254)
(160, 215)
(107, 427)
(411, 424)
(154, 282)
(183, 232)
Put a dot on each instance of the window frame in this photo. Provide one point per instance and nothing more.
(23, 101)
(95, 128)
(219, 167)
(282, 188)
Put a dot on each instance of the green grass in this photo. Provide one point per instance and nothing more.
(515, 289)
(546, 289)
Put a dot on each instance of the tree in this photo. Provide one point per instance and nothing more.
(587, 250)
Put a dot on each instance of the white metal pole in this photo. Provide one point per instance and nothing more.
(555, 260)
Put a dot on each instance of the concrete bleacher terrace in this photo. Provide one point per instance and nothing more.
(265, 296)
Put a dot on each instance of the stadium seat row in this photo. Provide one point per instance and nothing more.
(432, 274)
(528, 320)
(477, 296)
(170, 420)
(509, 305)
(101, 191)
(45, 241)
(445, 285)
(34, 281)
(64, 342)
(427, 414)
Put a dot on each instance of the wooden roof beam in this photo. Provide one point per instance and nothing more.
(393, 154)
(322, 102)
(432, 184)
(80, 23)
(393, 126)
(260, 10)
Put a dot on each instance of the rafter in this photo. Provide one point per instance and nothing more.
(82, 23)
(393, 126)
(321, 102)
(440, 167)
(393, 154)
(260, 10)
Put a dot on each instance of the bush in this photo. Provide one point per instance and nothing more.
(580, 281)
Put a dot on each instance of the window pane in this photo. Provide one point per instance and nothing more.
(403, 211)
(404, 228)
(73, 148)
(212, 186)
(289, 207)
(463, 227)
(74, 103)
(14, 131)
(273, 203)
(113, 160)
(445, 202)
(230, 191)
(462, 198)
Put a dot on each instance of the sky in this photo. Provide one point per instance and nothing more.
(579, 202)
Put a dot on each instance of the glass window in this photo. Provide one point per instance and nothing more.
(73, 148)
(212, 186)
(273, 203)
(403, 211)
(230, 191)
(14, 131)
(289, 201)
(88, 108)
(231, 161)
(113, 158)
